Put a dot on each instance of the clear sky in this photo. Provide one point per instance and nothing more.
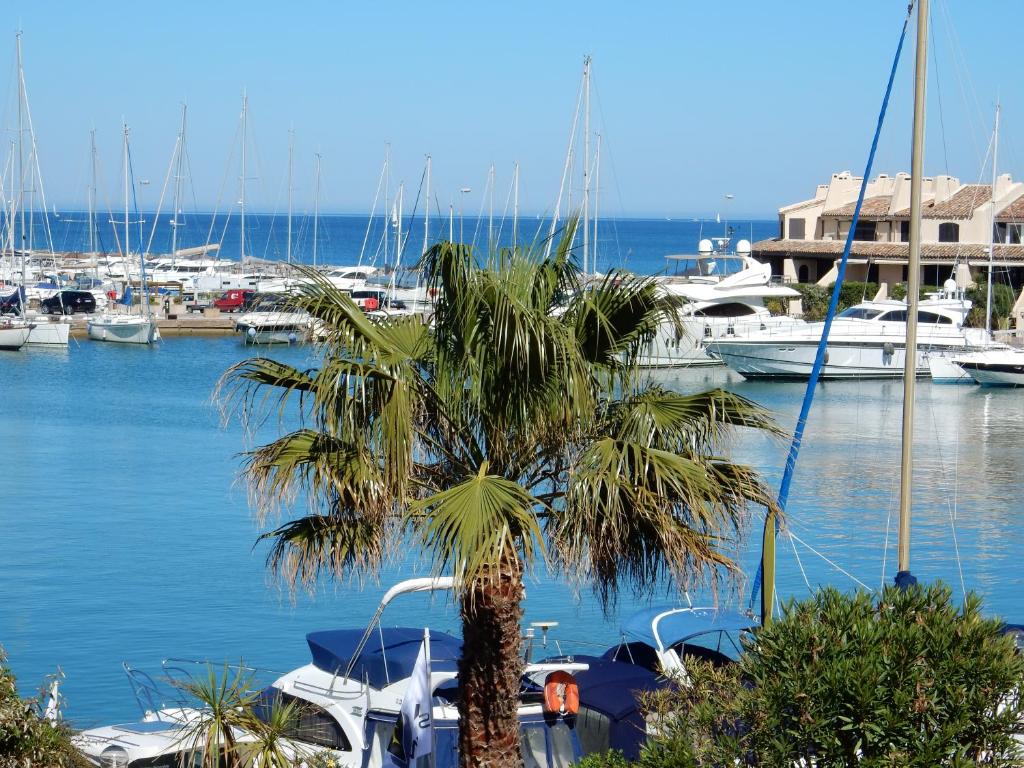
(694, 100)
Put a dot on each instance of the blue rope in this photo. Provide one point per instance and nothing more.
(819, 359)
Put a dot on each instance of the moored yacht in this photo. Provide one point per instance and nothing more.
(14, 333)
(350, 695)
(274, 320)
(994, 367)
(867, 340)
(722, 295)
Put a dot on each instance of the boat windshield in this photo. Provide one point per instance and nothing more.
(860, 313)
(704, 266)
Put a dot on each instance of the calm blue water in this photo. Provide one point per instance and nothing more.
(637, 244)
(126, 537)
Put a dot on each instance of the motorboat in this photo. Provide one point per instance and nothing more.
(994, 367)
(722, 295)
(353, 689)
(123, 329)
(867, 340)
(273, 319)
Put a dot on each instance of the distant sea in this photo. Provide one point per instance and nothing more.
(639, 245)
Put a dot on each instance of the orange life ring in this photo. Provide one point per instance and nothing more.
(561, 693)
(371, 304)
(111, 295)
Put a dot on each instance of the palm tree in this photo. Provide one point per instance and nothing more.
(225, 711)
(514, 429)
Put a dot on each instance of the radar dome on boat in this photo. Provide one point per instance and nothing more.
(949, 287)
(704, 246)
(743, 246)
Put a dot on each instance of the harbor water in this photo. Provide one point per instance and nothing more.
(127, 536)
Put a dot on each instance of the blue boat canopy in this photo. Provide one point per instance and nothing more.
(388, 656)
(677, 625)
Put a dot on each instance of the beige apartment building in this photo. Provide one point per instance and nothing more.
(956, 229)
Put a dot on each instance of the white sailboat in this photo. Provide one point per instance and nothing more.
(127, 328)
(42, 331)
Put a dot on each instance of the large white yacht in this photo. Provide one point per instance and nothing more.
(867, 340)
(722, 296)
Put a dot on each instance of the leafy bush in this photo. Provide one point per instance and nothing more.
(26, 739)
(816, 298)
(897, 679)
(1003, 299)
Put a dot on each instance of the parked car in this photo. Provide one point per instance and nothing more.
(235, 300)
(370, 299)
(69, 302)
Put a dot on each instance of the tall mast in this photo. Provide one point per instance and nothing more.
(903, 577)
(586, 164)
(992, 223)
(291, 153)
(177, 184)
(316, 206)
(21, 171)
(241, 199)
(597, 197)
(127, 248)
(426, 215)
(490, 211)
(92, 196)
(515, 206)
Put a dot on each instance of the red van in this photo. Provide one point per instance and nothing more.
(236, 300)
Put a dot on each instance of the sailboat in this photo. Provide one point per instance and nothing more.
(127, 328)
(41, 330)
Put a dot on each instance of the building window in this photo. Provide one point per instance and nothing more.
(1007, 234)
(904, 231)
(949, 232)
(865, 231)
(796, 229)
(804, 274)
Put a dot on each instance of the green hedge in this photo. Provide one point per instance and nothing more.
(893, 679)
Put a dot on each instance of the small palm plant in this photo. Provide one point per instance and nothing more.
(271, 744)
(210, 740)
(515, 428)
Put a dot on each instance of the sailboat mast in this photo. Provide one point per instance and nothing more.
(21, 173)
(316, 206)
(586, 165)
(992, 223)
(426, 214)
(490, 211)
(92, 196)
(241, 180)
(913, 291)
(177, 184)
(127, 249)
(597, 197)
(515, 206)
(291, 153)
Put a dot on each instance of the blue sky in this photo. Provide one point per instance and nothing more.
(694, 100)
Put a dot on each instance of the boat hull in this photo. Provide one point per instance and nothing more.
(118, 331)
(756, 359)
(1005, 374)
(670, 349)
(14, 338)
(49, 334)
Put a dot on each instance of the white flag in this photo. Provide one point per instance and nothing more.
(414, 732)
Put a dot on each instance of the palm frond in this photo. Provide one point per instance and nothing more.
(472, 526)
(343, 542)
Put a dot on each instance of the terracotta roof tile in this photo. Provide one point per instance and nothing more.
(960, 206)
(831, 249)
(873, 208)
(1012, 212)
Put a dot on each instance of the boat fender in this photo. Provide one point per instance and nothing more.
(111, 295)
(826, 356)
(888, 348)
(561, 693)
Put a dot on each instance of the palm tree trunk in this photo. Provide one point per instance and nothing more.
(490, 669)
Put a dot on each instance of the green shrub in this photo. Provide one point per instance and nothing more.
(1003, 299)
(26, 739)
(816, 298)
(897, 679)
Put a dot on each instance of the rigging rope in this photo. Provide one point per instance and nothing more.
(805, 408)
